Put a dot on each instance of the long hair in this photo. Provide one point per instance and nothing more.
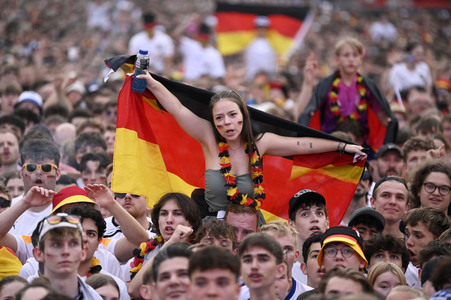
(247, 135)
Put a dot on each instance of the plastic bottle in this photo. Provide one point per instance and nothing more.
(141, 65)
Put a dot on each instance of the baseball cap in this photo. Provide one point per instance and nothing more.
(367, 212)
(345, 235)
(60, 220)
(262, 21)
(69, 195)
(387, 147)
(304, 195)
(30, 96)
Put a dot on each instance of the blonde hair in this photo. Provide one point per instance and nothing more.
(383, 267)
(280, 229)
(417, 293)
(350, 41)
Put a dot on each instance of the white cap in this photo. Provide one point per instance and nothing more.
(262, 21)
(46, 226)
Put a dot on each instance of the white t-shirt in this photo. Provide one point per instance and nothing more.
(260, 55)
(412, 276)
(200, 61)
(160, 47)
(27, 222)
(402, 78)
(297, 273)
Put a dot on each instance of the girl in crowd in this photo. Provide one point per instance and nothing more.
(384, 276)
(431, 185)
(175, 219)
(233, 154)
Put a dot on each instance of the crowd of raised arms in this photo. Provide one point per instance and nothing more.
(65, 234)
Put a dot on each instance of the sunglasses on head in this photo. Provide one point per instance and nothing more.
(4, 203)
(45, 168)
(122, 195)
(55, 219)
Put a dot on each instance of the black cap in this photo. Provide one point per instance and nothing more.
(303, 195)
(367, 212)
(387, 147)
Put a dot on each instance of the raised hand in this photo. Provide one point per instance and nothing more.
(181, 234)
(38, 196)
(100, 194)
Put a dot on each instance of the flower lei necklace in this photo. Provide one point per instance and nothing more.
(335, 103)
(233, 194)
(144, 248)
(95, 267)
(139, 253)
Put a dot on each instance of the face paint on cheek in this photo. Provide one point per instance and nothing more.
(219, 126)
(240, 123)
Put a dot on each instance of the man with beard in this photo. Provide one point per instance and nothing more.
(389, 161)
(40, 167)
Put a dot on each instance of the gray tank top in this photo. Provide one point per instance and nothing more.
(216, 191)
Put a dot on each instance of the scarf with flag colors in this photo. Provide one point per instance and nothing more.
(154, 156)
(236, 29)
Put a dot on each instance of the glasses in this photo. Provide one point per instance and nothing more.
(4, 203)
(122, 195)
(45, 168)
(430, 188)
(332, 252)
(62, 217)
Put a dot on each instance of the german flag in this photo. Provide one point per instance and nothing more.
(236, 29)
(153, 155)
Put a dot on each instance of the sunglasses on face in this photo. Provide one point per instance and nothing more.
(4, 203)
(122, 195)
(55, 219)
(45, 168)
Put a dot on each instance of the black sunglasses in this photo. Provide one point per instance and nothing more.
(4, 203)
(122, 195)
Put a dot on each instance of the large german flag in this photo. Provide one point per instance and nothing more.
(153, 155)
(236, 28)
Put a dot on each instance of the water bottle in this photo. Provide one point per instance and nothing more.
(141, 65)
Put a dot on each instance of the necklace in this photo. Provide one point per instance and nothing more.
(335, 104)
(139, 253)
(95, 267)
(239, 146)
(233, 194)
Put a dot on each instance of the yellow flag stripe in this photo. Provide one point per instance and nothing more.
(344, 173)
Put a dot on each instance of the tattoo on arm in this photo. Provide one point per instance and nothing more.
(310, 145)
(298, 143)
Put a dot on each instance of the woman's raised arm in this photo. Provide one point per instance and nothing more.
(277, 145)
(200, 129)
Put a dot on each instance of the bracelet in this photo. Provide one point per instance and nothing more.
(344, 147)
(338, 147)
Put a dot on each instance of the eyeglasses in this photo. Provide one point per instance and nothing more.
(430, 188)
(122, 195)
(4, 203)
(45, 168)
(62, 217)
(331, 252)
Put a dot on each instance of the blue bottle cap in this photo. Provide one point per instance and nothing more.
(142, 51)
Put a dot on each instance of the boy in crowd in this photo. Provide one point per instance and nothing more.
(214, 274)
(386, 248)
(168, 278)
(342, 247)
(217, 233)
(367, 221)
(286, 236)
(422, 225)
(390, 199)
(261, 264)
(60, 250)
(307, 213)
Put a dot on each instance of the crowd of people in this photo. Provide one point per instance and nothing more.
(377, 76)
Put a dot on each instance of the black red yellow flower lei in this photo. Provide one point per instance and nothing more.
(95, 267)
(233, 194)
(140, 252)
(335, 103)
